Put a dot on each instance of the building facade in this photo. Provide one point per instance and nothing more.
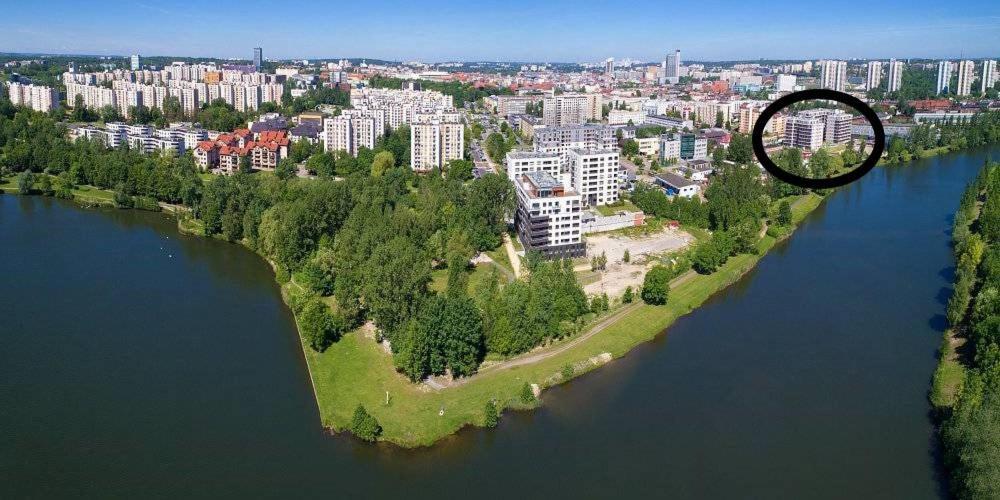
(547, 219)
(594, 175)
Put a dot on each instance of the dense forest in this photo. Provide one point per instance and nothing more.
(970, 429)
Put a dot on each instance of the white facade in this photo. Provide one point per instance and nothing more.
(594, 175)
(966, 73)
(804, 132)
(989, 75)
(874, 76)
(833, 75)
(785, 83)
(895, 75)
(943, 77)
(436, 139)
(571, 109)
(522, 162)
(36, 97)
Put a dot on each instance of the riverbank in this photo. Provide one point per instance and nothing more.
(355, 370)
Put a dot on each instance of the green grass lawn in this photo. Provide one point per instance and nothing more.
(477, 275)
(355, 370)
(614, 208)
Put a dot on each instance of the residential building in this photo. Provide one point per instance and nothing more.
(966, 73)
(837, 129)
(571, 109)
(522, 162)
(804, 132)
(895, 75)
(36, 97)
(623, 117)
(943, 77)
(562, 139)
(547, 219)
(874, 76)
(784, 83)
(594, 175)
(693, 147)
(609, 66)
(833, 75)
(670, 148)
(989, 77)
(135, 62)
(436, 139)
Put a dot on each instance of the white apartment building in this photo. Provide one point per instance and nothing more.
(966, 73)
(670, 148)
(562, 139)
(833, 75)
(436, 139)
(522, 162)
(547, 219)
(989, 75)
(571, 109)
(36, 97)
(622, 117)
(895, 75)
(943, 77)
(350, 132)
(784, 83)
(506, 105)
(594, 175)
(837, 129)
(874, 76)
(804, 132)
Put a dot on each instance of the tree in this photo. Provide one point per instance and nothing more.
(630, 147)
(286, 169)
(628, 296)
(490, 414)
(245, 164)
(365, 426)
(45, 185)
(527, 395)
(25, 181)
(740, 149)
(382, 162)
(656, 285)
(319, 326)
(784, 213)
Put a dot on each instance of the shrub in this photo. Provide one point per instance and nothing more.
(628, 296)
(656, 285)
(365, 426)
(491, 415)
(567, 371)
(527, 396)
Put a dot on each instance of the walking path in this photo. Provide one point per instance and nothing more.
(515, 259)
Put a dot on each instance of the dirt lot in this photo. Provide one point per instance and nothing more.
(620, 275)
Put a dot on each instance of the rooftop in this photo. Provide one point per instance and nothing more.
(675, 180)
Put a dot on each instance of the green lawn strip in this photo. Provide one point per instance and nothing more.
(948, 376)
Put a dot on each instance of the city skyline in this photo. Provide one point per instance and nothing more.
(562, 31)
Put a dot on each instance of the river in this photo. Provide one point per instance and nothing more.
(139, 362)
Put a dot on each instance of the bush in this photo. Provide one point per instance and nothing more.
(567, 371)
(365, 426)
(656, 285)
(320, 327)
(491, 415)
(527, 396)
(628, 296)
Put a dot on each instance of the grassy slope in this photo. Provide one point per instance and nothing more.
(356, 370)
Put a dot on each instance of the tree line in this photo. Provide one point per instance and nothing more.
(970, 427)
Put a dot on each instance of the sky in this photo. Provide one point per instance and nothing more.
(512, 30)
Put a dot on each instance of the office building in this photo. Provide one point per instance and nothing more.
(943, 77)
(609, 66)
(895, 75)
(672, 67)
(258, 58)
(874, 76)
(670, 148)
(436, 139)
(966, 73)
(833, 75)
(547, 219)
(989, 75)
(594, 175)
(135, 62)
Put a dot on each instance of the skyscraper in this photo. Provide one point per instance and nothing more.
(609, 66)
(258, 57)
(895, 75)
(874, 75)
(943, 77)
(672, 65)
(135, 62)
(989, 75)
(966, 72)
(833, 75)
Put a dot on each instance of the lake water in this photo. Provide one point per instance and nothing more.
(139, 362)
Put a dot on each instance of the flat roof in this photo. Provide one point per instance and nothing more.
(675, 180)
